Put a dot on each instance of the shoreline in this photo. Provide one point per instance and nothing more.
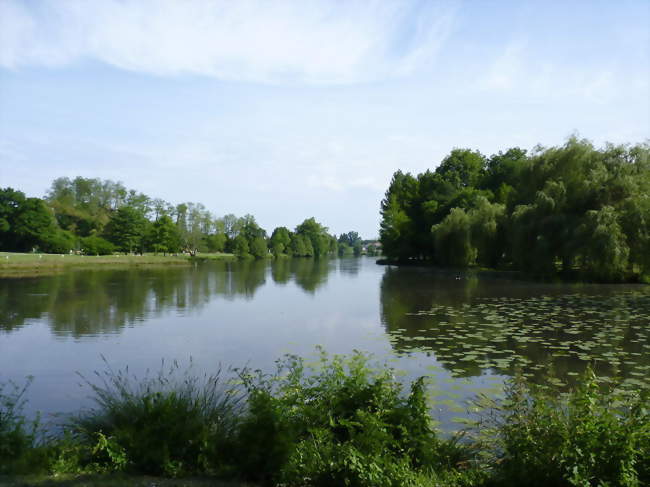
(23, 265)
(573, 278)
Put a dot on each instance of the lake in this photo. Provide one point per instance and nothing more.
(466, 331)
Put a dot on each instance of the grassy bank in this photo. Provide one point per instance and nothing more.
(31, 264)
(338, 421)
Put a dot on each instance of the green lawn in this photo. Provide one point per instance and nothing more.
(32, 264)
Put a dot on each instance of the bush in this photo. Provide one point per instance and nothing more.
(57, 242)
(337, 423)
(95, 245)
(587, 437)
(169, 424)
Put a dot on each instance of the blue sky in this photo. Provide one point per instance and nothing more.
(288, 110)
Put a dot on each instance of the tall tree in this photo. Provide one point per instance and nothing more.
(280, 240)
(163, 236)
(26, 223)
(126, 229)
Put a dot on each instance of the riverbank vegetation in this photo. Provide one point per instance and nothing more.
(338, 421)
(575, 210)
(95, 217)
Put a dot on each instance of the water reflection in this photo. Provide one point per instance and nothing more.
(548, 332)
(96, 302)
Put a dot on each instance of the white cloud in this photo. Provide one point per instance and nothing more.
(280, 41)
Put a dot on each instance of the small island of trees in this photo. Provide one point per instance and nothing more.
(573, 210)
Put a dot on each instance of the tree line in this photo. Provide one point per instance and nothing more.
(100, 217)
(572, 209)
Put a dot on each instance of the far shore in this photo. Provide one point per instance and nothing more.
(14, 264)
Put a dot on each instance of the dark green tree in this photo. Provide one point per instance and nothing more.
(126, 229)
(317, 240)
(26, 223)
(259, 248)
(280, 240)
(164, 236)
(453, 240)
(240, 246)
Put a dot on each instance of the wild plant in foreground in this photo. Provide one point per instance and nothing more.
(340, 422)
(18, 436)
(583, 438)
(171, 423)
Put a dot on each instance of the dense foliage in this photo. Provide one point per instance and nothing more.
(101, 217)
(540, 438)
(338, 421)
(570, 209)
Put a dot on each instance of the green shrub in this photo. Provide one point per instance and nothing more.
(58, 242)
(95, 245)
(336, 423)
(588, 437)
(169, 424)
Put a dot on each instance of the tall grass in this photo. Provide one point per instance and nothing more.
(19, 449)
(170, 423)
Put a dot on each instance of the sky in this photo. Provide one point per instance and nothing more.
(293, 109)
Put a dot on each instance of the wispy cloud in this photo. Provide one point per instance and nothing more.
(280, 41)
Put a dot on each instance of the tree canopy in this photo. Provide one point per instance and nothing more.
(573, 209)
(99, 217)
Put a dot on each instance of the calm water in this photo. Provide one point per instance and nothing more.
(466, 332)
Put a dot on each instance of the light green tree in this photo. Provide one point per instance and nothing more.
(259, 248)
(453, 240)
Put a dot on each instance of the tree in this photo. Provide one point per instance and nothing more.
(453, 240)
(231, 225)
(350, 238)
(240, 246)
(606, 249)
(462, 168)
(533, 210)
(126, 229)
(317, 240)
(396, 231)
(485, 220)
(197, 225)
(635, 222)
(163, 236)
(258, 248)
(280, 240)
(216, 242)
(249, 228)
(344, 249)
(83, 205)
(25, 223)
(298, 246)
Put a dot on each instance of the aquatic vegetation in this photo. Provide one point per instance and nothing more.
(545, 338)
